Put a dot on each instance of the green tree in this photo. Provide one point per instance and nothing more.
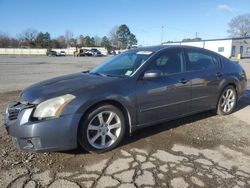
(125, 37)
(132, 40)
(92, 40)
(123, 33)
(43, 40)
(46, 39)
(89, 41)
(106, 43)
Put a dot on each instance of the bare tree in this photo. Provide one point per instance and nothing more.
(68, 37)
(239, 26)
(28, 37)
(61, 42)
(4, 40)
(114, 37)
(80, 41)
(98, 40)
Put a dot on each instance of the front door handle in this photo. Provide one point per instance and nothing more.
(183, 81)
(219, 75)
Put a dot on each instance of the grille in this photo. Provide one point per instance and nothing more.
(13, 113)
(14, 108)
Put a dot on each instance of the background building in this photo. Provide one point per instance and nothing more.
(229, 47)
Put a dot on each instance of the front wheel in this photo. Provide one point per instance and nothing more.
(227, 101)
(102, 129)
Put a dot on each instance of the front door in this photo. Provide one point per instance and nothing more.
(167, 96)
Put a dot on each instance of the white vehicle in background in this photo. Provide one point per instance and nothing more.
(61, 53)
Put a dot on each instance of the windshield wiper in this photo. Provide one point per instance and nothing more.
(87, 71)
(99, 74)
(106, 75)
(117, 76)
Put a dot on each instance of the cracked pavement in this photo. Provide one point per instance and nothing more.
(203, 150)
(181, 166)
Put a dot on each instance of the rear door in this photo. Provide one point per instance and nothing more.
(204, 72)
(165, 97)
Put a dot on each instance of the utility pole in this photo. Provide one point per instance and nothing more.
(162, 31)
(196, 35)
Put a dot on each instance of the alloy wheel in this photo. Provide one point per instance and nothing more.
(104, 129)
(228, 100)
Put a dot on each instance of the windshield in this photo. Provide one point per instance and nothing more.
(124, 64)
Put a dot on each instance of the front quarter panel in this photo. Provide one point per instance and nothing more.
(119, 90)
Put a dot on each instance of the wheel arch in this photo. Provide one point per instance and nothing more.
(115, 103)
(230, 83)
(233, 82)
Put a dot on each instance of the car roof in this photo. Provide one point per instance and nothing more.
(162, 47)
(151, 48)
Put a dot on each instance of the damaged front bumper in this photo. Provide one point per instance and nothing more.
(55, 134)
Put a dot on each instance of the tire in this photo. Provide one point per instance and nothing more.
(227, 101)
(102, 129)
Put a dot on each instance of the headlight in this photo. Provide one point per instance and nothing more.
(52, 107)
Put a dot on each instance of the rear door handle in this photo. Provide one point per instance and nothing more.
(183, 81)
(219, 75)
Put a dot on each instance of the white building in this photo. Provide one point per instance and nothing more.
(229, 47)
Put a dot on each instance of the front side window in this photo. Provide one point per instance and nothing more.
(123, 65)
(169, 62)
(199, 60)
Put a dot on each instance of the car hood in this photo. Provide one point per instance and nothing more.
(60, 86)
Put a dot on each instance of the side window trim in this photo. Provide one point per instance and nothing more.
(218, 59)
(202, 52)
(183, 64)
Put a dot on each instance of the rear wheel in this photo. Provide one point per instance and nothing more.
(102, 130)
(227, 101)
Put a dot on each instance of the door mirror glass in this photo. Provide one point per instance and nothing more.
(151, 74)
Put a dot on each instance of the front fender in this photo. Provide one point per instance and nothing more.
(121, 94)
(127, 104)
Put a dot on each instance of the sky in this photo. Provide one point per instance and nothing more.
(149, 20)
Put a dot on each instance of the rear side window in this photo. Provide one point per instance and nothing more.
(200, 60)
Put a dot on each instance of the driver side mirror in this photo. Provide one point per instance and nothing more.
(152, 74)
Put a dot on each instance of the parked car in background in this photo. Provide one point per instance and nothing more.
(93, 52)
(112, 52)
(55, 53)
(137, 88)
(87, 52)
(51, 53)
(62, 53)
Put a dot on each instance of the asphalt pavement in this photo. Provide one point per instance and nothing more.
(202, 150)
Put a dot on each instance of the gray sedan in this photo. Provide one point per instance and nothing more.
(134, 89)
